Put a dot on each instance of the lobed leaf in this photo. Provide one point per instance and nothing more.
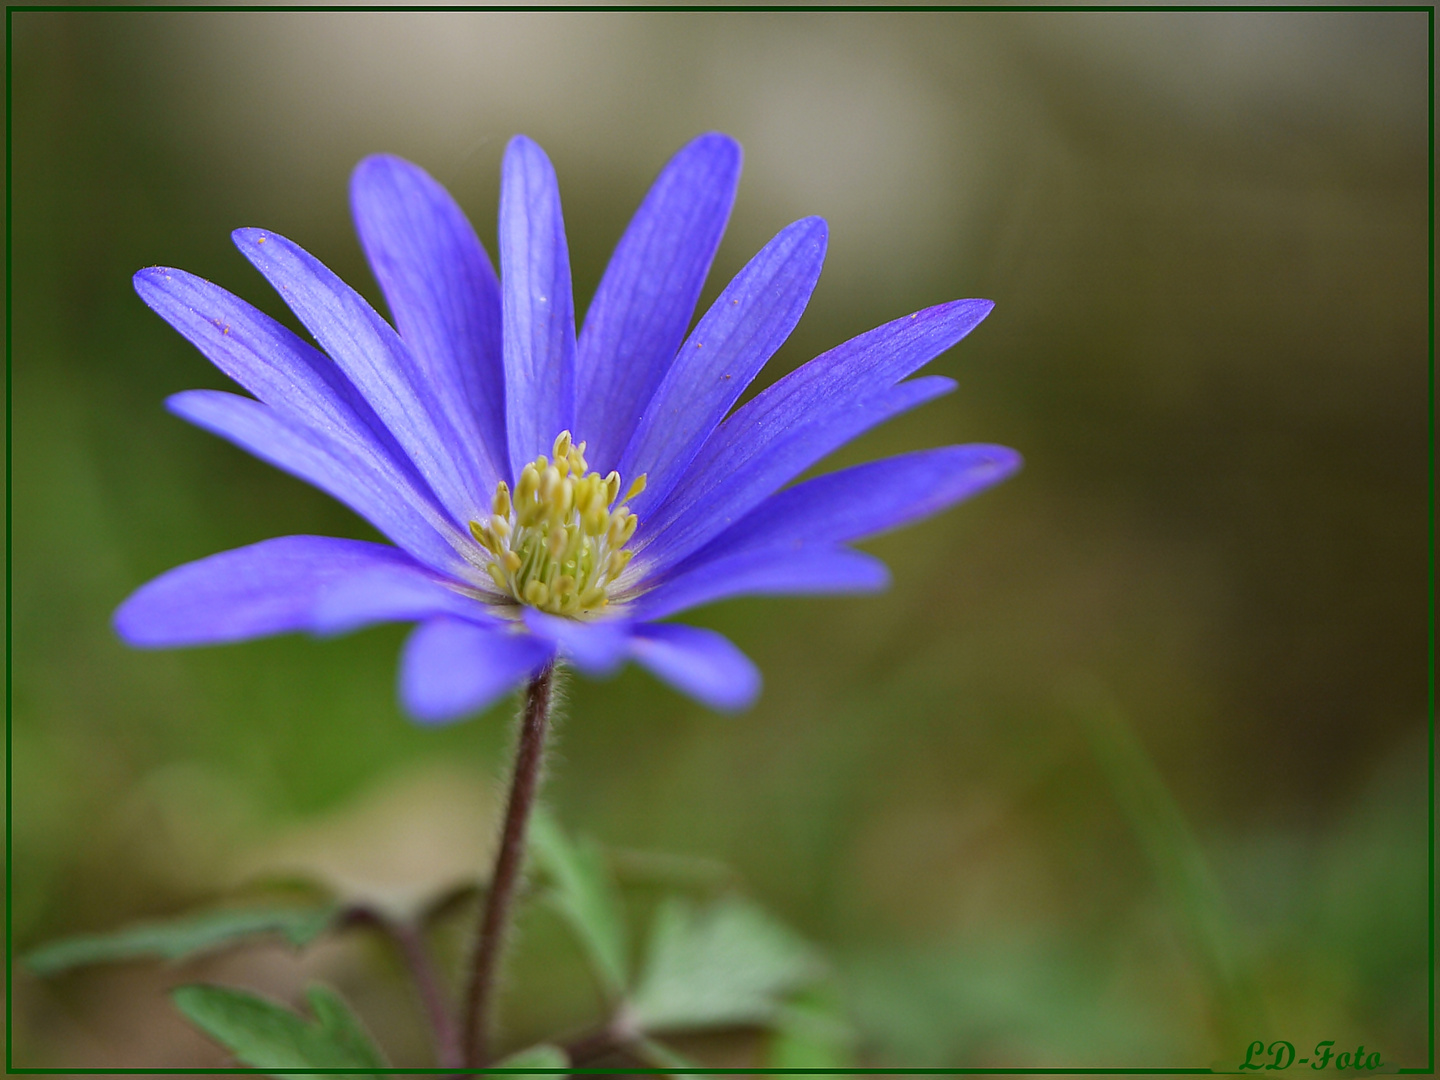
(726, 965)
(177, 939)
(342, 1026)
(266, 1035)
(584, 893)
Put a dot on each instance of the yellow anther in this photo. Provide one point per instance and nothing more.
(528, 485)
(636, 488)
(584, 494)
(596, 520)
(555, 542)
(616, 531)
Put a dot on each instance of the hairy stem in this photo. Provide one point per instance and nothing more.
(495, 917)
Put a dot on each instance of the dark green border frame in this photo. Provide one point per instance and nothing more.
(1429, 1068)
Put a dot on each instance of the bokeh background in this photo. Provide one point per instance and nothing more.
(1191, 633)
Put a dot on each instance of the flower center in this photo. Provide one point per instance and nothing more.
(558, 543)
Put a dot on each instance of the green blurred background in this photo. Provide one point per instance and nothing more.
(1206, 236)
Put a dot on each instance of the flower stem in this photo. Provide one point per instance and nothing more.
(480, 1000)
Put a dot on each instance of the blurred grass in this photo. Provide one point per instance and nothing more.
(1175, 857)
(1206, 238)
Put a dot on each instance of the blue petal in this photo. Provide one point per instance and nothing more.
(794, 423)
(368, 483)
(597, 648)
(443, 294)
(767, 572)
(379, 365)
(697, 662)
(717, 493)
(855, 503)
(742, 329)
(646, 299)
(265, 358)
(272, 587)
(452, 668)
(392, 594)
(539, 308)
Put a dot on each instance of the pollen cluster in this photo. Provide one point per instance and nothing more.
(560, 540)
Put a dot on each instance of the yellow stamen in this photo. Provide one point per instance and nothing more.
(556, 543)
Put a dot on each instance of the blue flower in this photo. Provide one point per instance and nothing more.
(547, 496)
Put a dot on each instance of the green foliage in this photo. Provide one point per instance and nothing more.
(266, 1035)
(584, 893)
(1174, 854)
(544, 1056)
(726, 965)
(176, 939)
(811, 1032)
(662, 1057)
(722, 964)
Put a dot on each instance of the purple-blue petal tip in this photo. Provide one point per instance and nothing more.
(722, 146)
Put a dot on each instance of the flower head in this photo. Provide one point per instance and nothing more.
(548, 496)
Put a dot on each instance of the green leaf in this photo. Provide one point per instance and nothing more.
(585, 895)
(545, 1056)
(810, 1032)
(266, 1035)
(662, 1057)
(342, 1026)
(727, 965)
(178, 938)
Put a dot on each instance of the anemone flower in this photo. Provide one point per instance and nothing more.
(547, 497)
